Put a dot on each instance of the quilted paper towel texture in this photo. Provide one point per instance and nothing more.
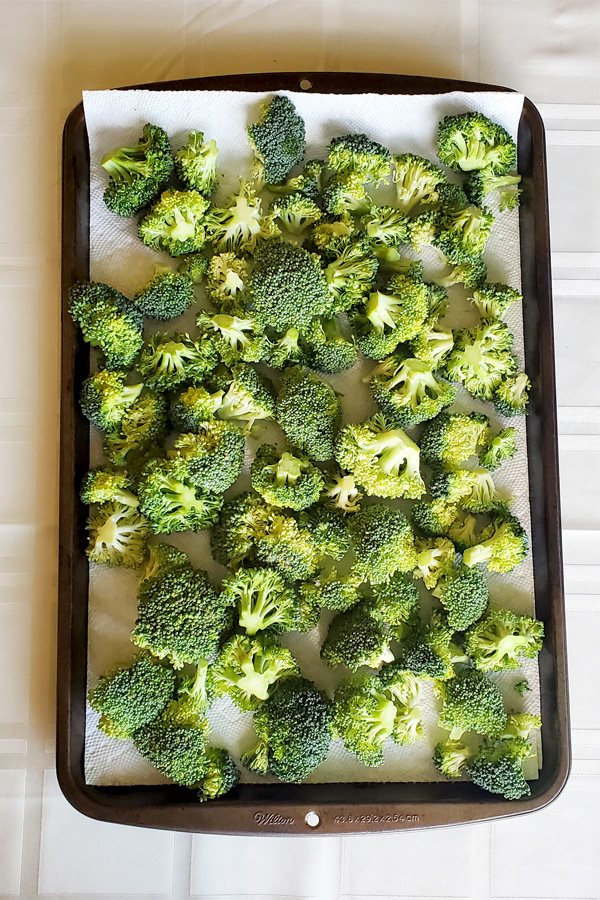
(117, 256)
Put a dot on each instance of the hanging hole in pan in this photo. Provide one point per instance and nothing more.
(305, 84)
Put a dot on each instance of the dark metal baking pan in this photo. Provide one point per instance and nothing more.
(339, 808)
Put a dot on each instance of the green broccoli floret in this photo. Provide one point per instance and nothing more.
(117, 535)
(234, 338)
(288, 288)
(471, 141)
(176, 223)
(248, 397)
(464, 594)
(433, 518)
(310, 413)
(383, 543)
(510, 198)
(423, 229)
(307, 183)
(288, 547)
(138, 173)
(482, 358)
(472, 274)
(500, 639)
(449, 758)
(193, 266)
(501, 447)
(357, 154)
(166, 295)
(396, 600)
(383, 460)
(108, 320)
(451, 439)
(195, 694)
(395, 316)
(497, 767)
(330, 352)
(355, 638)
(480, 182)
(171, 501)
(220, 777)
(329, 235)
(351, 273)
(462, 230)
(386, 226)
(241, 226)
(105, 398)
(435, 560)
(511, 395)
(213, 456)
(408, 392)
(521, 687)
(332, 591)
(168, 359)
(178, 751)
(286, 348)
(196, 164)
(471, 702)
(341, 492)
(129, 697)
(192, 407)
(143, 425)
(181, 617)
(248, 668)
(464, 530)
(346, 194)
(294, 731)
(428, 650)
(232, 538)
(432, 345)
(278, 138)
(416, 180)
(328, 529)
(493, 299)
(296, 212)
(162, 557)
(502, 547)
(283, 479)
(103, 484)
(310, 610)
(227, 281)
(471, 489)
(263, 600)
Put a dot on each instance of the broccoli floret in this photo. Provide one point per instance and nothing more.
(464, 594)
(332, 591)
(432, 345)
(194, 406)
(296, 212)
(288, 547)
(510, 198)
(383, 460)
(464, 530)
(129, 697)
(176, 223)
(451, 439)
(471, 489)
(310, 610)
(397, 314)
(166, 295)
(195, 694)
(435, 560)
(500, 639)
(294, 731)
(168, 359)
(310, 413)
(471, 702)
(408, 392)
(193, 266)
(248, 397)
(351, 274)
(472, 274)
(357, 154)
(416, 180)
(449, 758)
(117, 535)
(241, 226)
(162, 557)
(227, 281)
(328, 529)
(330, 351)
(493, 299)
(108, 320)
(341, 492)
(143, 425)
(138, 173)
(329, 236)
(220, 777)
(286, 348)
(288, 287)
(181, 617)
(103, 484)
(278, 138)
(480, 182)
(501, 447)
(497, 767)
(386, 226)
(234, 338)
(283, 479)
(196, 164)
(105, 398)
(383, 543)
(178, 751)
(502, 547)
(511, 395)
(263, 600)
(434, 518)
(471, 141)
(307, 183)
(427, 650)
(521, 687)
(248, 668)
(462, 230)
(346, 194)
(396, 600)
(482, 358)
(232, 538)
(213, 457)
(171, 500)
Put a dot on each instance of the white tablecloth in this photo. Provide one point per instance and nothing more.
(49, 52)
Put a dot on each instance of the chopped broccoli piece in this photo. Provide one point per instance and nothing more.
(310, 413)
(286, 348)
(500, 639)
(213, 456)
(241, 226)
(171, 500)
(163, 557)
(402, 311)
(248, 398)
(132, 696)
(511, 395)
(432, 345)
(355, 638)
(166, 295)
(332, 591)
(307, 183)
(383, 543)
(408, 392)
(472, 274)
(427, 650)
(232, 538)
(117, 535)
(234, 338)
(521, 687)
(196, 164)
(227, 281)
(248, 668)
(328, 530)
(480, 182)
(471, 702)
(330, 352)
(482, 358)
(493, 299)
(499, 448)
(296, 212)
(471, 489)
(391, 261)
(434, 518)
(194, 406)
(449, 758)
(263, 600)
(278, 138)
(341, 492)
(220, 777)
(386, 226)
(193, 266)
(357, 154)
(329, 236)
(351, 274)
(502, 547)
(345, 194)
(143, 425)
(510, 198)
(108, 320)
(451, 439)
(105, 484)
(283, 479)
(462, 230)
(464, 594)
(105, 398)
(423, 229)
(416, 180)
(176, 223)
(139, 173)
(471, 141)
(463, 531)
(195, 694)
(168, 359)
(178, 751)
(435, 560)
(396, 600)
(497, 767)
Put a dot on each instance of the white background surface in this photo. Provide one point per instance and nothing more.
(49, 52)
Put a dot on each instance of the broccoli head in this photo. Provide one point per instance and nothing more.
(139, 173)
(176, 223)
(241, 226)
(341, 492)
(194, 406)
(108, 320)
(471, 702)
(493, 299)
(408, 392)
(309, 412)
(105, 484)
(196, 164)
(383, 543)
(502, 547)
(213, 456)
(357, 154)
(296, 212)
(166, 296)
(464, 594)
(105, 398)
(283, 479)
(263, 600)
(428, 650)
(355, 638)
(497, 767)
(278, 138)
(451, 439)
(171, 501)
(221, 775)
(142, 426)
(177, 751)
(416, 181)
(500, 639)
(117, 535)
(169, 359)
(396, 600)
(499, 448)
(511, 395)
(131, 696)
(471, 141)
(248, 668)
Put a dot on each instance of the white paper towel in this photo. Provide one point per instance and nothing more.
(401, 123)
